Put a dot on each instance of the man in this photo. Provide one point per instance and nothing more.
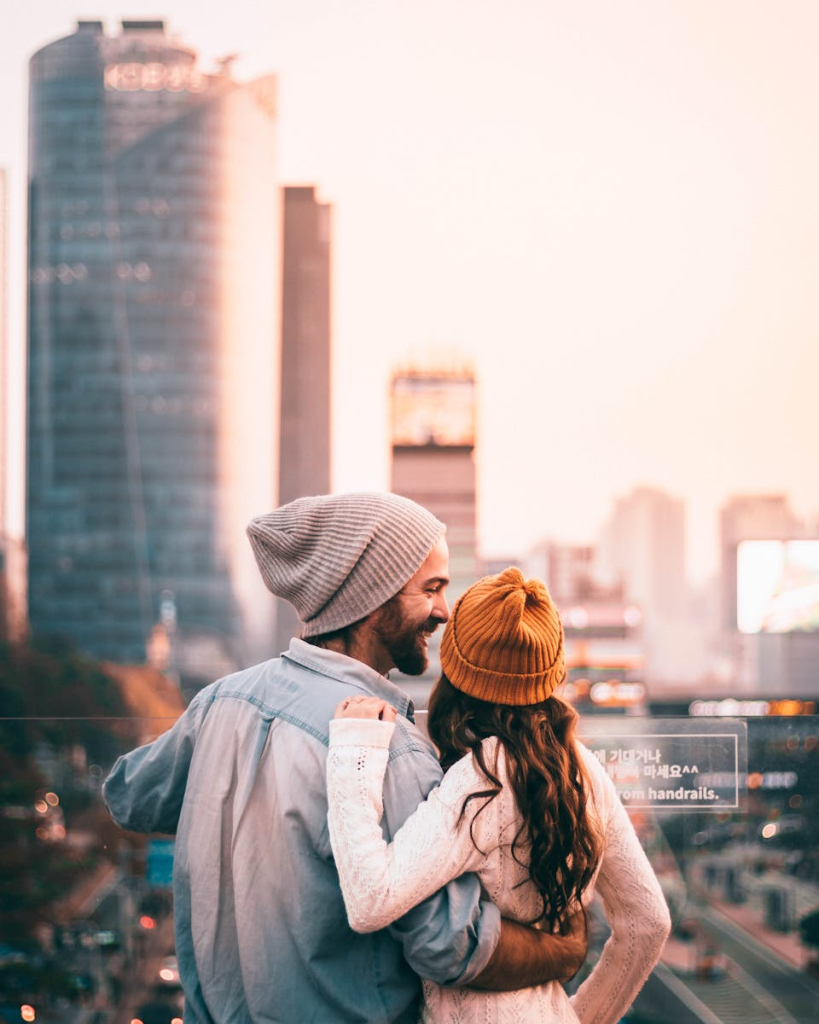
(261, 930)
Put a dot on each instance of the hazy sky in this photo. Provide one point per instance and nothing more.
(610, 209)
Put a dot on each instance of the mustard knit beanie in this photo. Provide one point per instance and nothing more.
(338, 557)
(504, 641)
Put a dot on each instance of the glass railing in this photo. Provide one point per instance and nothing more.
(86, 925)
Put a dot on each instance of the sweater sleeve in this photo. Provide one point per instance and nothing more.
(635, 909)
(381, 881)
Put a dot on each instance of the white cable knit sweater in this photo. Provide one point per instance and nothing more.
(380, 882)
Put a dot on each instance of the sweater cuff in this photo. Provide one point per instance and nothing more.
(360, 732)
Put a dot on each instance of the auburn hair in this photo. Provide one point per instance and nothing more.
(562, 840)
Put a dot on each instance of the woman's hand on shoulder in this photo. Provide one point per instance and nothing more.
(366, 707)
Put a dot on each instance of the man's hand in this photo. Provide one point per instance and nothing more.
(527, 956)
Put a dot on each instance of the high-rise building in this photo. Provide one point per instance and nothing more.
(5, 595)
(749, 517)
(12, 548)
(767, 664)
(152, 346)
(643, 547)
(4, 359)
(433, 462)
(433, 457)
(571, 573)
(304, 445)
(304, 438)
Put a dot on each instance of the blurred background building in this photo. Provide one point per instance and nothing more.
(643, 547)
(769, 565)
(4, 359)
(605, 649)
(433, 457)
(4, 582)
(433, 462)
(12, 549)
(749, 517)
(152, 348)
(304, 436)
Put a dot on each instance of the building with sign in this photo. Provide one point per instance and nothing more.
(750, 517)
(769, 580)
(152, 344)
(304, 445)
(433, 462)
(433, 457)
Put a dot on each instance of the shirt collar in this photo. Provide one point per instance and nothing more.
(352, 672)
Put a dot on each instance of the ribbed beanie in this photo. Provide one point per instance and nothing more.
(504, 641)
(338, 557)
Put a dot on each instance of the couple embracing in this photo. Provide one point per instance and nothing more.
(331, 865)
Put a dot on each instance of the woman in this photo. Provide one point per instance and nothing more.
(522, 804)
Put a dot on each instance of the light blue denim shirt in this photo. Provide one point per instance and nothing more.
(261, 931)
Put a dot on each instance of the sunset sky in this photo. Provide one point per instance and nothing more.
(611, 210)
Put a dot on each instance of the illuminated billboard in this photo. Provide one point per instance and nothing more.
(433, 409)
(778, 586)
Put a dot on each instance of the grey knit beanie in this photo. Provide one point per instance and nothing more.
(338, 557)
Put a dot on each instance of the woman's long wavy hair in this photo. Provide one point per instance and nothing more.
(559, 835)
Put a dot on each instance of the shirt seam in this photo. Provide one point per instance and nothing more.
(407, 747)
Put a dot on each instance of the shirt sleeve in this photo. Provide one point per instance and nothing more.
(144, 790)
(636, 911)
(417, 882)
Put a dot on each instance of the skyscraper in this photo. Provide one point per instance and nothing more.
(152, 345)
(304, 438)
(643, 547)
(765, 664)
(433, 462)
(4, 574)
(12, 549)
(749, 517)
(433, 457)
(304, 447)
(4, 408)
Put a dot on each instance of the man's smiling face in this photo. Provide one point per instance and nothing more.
(407, 620)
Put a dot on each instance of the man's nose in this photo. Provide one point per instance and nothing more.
(441, 609)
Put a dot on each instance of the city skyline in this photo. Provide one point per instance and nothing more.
(609, 214)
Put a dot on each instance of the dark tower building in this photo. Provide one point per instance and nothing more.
(304, 461)
(304, 446)
(153, 229)
(4, 572)
(3, 355)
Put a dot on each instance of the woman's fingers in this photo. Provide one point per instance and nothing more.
(366, 707)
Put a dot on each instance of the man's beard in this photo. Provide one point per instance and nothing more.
(404, 641)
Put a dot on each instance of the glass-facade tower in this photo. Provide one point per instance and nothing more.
(152, 346)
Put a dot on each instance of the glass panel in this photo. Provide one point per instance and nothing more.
(86, 927)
